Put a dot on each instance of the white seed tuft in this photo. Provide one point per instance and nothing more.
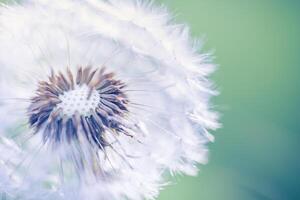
(112, 135)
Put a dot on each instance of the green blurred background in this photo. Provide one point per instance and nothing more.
(257, 46)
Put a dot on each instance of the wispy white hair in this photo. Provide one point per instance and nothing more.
(168, 88)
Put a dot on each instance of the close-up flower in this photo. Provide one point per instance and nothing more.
(100, 100)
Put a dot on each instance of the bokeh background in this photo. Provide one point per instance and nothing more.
(257, 47)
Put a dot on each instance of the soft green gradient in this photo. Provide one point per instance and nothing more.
(256, 153)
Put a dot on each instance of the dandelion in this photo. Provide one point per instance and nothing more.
(99, 100)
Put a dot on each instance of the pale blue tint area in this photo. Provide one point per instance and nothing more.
(257, 47)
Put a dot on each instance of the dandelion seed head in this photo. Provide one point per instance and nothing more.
(105, 97)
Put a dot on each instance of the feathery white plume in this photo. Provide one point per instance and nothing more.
(99, 99)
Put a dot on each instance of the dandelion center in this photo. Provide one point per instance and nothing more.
(82, 100)
(87, 103)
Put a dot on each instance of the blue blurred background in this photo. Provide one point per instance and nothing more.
(257, 46)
